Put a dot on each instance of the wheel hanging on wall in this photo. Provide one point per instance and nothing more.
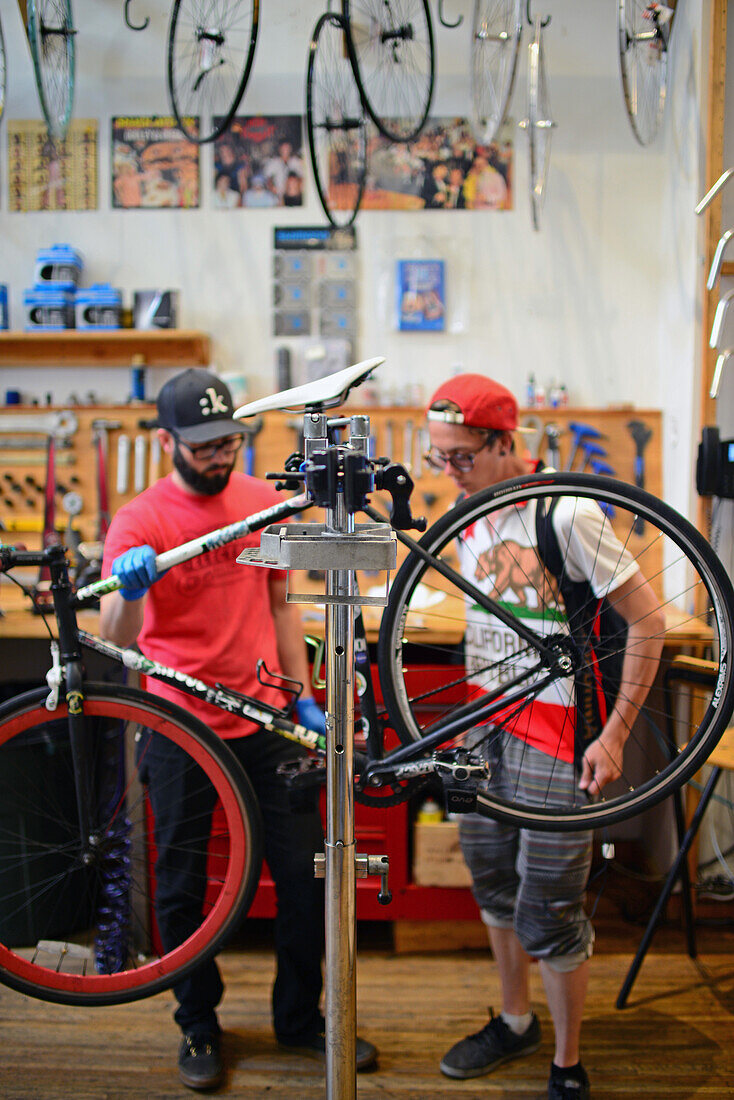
(51, 38)
(211, 48)
(643, 33)
(390, 45)
(538, 123)
(337, 128)
(495, 47)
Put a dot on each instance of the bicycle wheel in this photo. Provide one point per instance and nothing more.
(337, 131)
(539, 123)
(643, 58)
(51, 38)
(77, 921)
(495, 47)
(390, 44)
(211, 48)
(492, 531)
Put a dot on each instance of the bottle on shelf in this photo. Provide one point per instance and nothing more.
(430, 813)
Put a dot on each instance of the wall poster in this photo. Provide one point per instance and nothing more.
(153, 164)
(421, 295)
(258, 162)
(44, 174)
(443, 169)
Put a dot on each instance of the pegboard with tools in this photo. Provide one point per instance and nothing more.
(625, 443)
(103, 455)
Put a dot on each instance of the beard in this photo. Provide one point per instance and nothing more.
(207, 482)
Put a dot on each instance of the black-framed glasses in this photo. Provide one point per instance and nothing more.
(460, 460)
(228, 447)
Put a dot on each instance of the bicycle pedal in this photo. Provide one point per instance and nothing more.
(460, 800)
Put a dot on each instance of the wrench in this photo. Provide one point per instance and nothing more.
(58, 423)
(141, 448)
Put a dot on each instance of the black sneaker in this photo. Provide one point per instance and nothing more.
(199, 1062)
(494, 1044)
(561, 1087)
(315, 1047)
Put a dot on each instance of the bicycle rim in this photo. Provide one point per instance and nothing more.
(337, 131)
(495, 47)
(51, 38)
(390, 45)
(540, 124)
(425, 614)
(78, 922)
(643, 60)
(211, 48)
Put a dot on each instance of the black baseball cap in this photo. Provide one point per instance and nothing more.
(197, 406)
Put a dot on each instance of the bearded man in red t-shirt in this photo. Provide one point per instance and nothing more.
(212, 619)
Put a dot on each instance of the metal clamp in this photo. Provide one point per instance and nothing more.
(366, 865)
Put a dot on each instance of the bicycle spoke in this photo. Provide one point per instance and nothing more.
(337, 134)
(643, 56)
(211, 48)
(496, 537)
(495, 45)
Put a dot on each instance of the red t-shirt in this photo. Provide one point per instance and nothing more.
(208, 617)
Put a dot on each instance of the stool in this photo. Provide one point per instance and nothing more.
(699, 673)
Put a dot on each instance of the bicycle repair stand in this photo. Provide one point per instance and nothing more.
(338, 476)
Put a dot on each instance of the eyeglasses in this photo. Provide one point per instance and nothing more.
(460, 460)
(228, 446)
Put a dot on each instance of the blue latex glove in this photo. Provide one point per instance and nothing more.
(311, 715)
(136, 569)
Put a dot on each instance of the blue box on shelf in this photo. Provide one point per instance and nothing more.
(98, 307)
(48, 309)
(60, 265)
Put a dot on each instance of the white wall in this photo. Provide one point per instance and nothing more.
(604, 298)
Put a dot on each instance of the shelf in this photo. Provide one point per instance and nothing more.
(160, 348)
(727, 268)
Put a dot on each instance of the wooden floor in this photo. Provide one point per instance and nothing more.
(674, 1040)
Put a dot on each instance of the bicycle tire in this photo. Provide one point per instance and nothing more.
(337, 129)
(92, 912)
(211, 50)
(668, 549)
(539, 123)
(3, 71)
(51, 39)
(495, 48)
(390, 45)
(643, 62)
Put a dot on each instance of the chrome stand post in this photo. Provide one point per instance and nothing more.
(341, 897)
(335, 471)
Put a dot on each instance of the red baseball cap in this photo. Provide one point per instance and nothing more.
(482, 403)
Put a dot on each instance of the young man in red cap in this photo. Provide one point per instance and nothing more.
(213, 619)
(528, 884)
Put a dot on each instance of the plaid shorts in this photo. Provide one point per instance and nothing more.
(534, 882)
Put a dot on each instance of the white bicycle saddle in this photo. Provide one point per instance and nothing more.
(324, 393)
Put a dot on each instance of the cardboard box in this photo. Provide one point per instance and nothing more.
(437, 858)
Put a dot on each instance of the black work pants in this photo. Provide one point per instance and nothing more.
(291, 838)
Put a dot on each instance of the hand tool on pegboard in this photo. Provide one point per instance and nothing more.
(59, 424)
(140, 457)
(43, 600)
(553, 434)
(408, 445)
(123, 463)
(641, 434)
(592, 453)
(100, 439)
(580, 432)
(92, 551)
(605, 470)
